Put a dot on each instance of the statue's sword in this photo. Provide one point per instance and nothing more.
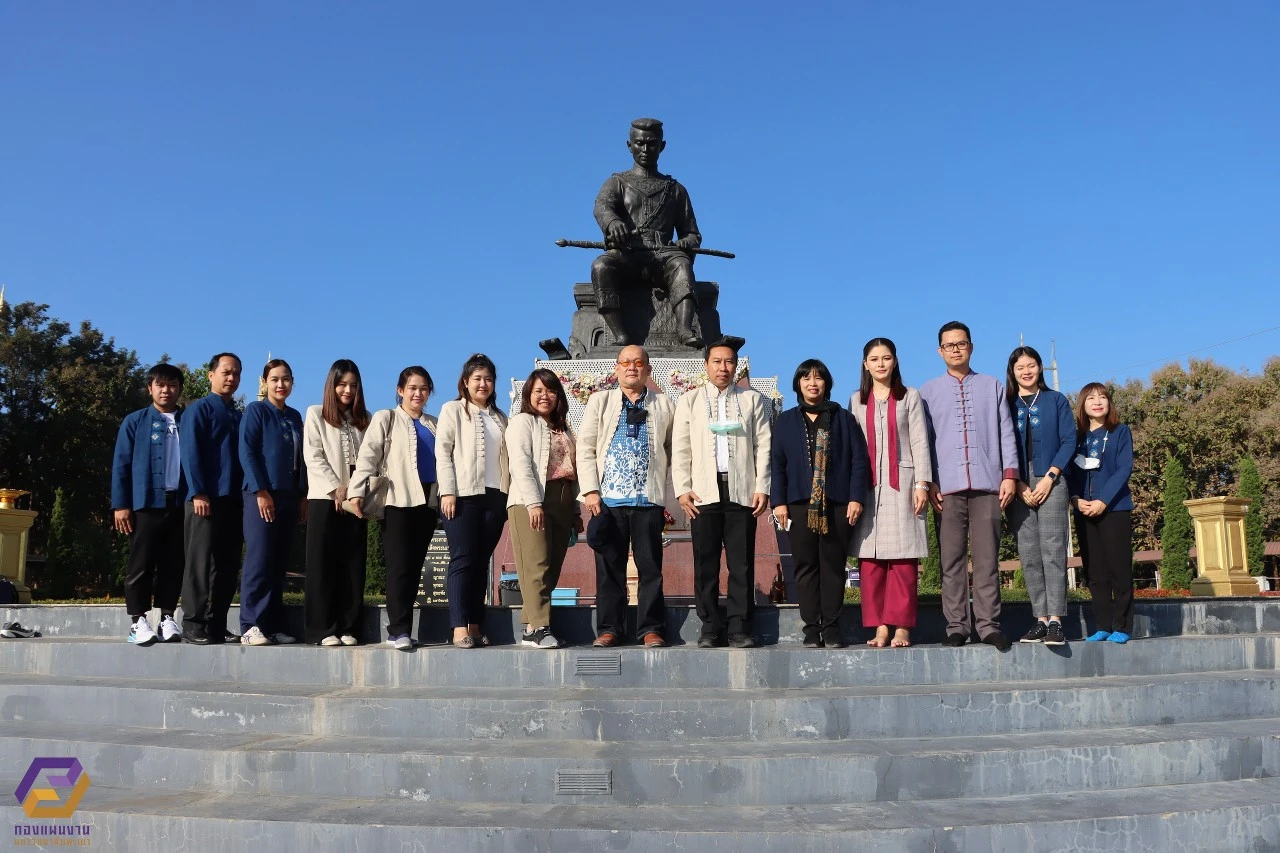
(596, 244)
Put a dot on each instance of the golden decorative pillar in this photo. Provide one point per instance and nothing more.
(14, 526)
(1221, 564)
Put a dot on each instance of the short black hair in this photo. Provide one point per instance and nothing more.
(213, 362)
(722, 341)
(954, 326)
(166, 372)
(806, 367)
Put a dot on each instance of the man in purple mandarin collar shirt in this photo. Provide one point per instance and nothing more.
(976, 459)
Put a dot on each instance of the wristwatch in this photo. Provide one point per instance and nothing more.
(1052, 476)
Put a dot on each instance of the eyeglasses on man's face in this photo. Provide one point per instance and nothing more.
(957, 346)
(627, 362)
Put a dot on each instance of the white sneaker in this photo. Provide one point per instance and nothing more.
(169, 630)
(331, 641)
(254, 637)
(348, 640)
(282, 638)
(401, 642)
(140, 633)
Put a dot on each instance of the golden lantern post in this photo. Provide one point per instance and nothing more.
(15, 524)
(1222, 567)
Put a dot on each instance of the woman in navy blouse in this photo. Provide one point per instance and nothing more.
(1046, 438)
(1098, 477)
(275, 478)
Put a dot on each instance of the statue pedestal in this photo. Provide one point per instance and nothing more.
(14, 526)
(1221, 566)
(647, 317)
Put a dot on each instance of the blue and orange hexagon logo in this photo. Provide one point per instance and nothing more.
(46, 802)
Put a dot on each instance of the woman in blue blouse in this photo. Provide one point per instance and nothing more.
(276, 479)
(1046, 437)
(1098, 477)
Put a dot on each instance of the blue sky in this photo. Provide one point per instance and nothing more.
(383, 181)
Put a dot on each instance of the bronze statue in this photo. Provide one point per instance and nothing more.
(638, 210)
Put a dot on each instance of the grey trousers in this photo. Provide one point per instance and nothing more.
(970, 521)
(1042, 549)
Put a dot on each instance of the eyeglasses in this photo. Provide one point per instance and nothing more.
(958, 346)
(627, 362)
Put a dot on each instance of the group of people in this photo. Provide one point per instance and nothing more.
(191, 486)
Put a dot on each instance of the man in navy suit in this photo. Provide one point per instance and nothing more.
(210, 434)
(147, 488)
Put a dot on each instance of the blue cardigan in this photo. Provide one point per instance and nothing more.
(1053, 435)
(137, 467)
(848, 469)
(1110, 482)
(209, 435)
(271, 449)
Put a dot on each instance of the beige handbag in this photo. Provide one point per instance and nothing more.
(375, 496)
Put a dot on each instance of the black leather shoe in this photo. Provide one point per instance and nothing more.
(708, 642)
(196, 637)
(955, 640)
(997, 639)
(832, 640)
(813, 642)
(742, 641)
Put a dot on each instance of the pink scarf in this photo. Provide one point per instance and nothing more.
(893, 439)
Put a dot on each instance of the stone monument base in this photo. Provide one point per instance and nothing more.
(649, 319)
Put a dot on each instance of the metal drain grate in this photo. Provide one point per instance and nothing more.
(584, 782)
(605, 663)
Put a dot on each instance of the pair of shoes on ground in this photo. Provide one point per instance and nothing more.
(255, 637)
(609, 639)
(736, 640)
(470, 642)
(403, 642)
(996, 639)
(1109, 636)
(335, 640)
(539, 638)
(1050, 633)
(142, 634)
(197, 637)
(15, 631)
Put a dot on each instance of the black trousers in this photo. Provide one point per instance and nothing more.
(406, 534)
(474, 532)
(1106, 548)
(733, 527)
(337, 544)
(821, 561)
(213, 544)
(155, 559)
(641, 531)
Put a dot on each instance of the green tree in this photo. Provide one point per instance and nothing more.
(1176, 536)
(375, 578)
(61, 559)
(1251, 490)
(931, 567)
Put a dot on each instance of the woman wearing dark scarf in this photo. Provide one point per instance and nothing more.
(890, 539)
(818, 461)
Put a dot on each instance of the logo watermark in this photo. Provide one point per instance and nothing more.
(64, 785)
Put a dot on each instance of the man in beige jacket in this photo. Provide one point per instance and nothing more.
(624, 447)
(720, 468)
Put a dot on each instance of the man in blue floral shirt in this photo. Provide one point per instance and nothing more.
(624, 472)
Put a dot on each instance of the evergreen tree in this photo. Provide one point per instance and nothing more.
(1251, 490)
(58, 581)
(931, 567)
(1176, 536)
(375, 578)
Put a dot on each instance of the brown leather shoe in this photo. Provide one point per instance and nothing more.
(606, 640)
(653, 640)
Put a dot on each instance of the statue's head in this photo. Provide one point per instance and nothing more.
(645, 142)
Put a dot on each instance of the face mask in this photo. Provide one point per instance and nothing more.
(1087, 463)
(725, 427)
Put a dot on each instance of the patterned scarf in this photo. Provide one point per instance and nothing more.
(817, 520)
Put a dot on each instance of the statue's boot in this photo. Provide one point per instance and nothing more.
(614, 322)
(684, 316)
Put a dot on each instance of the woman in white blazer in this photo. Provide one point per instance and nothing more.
(336, 540)
(542, 504)
(398, 461)
(471, 459)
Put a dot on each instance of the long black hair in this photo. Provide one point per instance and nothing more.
(331, 409)
(896, 386)
(1011, 388)
(478, 361)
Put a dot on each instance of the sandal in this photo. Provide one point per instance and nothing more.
(467, 642)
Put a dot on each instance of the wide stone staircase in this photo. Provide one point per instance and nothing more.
(1166, 744)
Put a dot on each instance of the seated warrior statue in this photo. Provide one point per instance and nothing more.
(638, 210)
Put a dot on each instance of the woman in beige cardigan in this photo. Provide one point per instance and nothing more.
(336, 539)
(397, 462)
(542, 505)
(471, 460)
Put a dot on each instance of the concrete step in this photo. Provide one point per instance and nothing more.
(1152, 618)
(782, 666)
(856, 770)
(1221, 816)
(652, 714)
